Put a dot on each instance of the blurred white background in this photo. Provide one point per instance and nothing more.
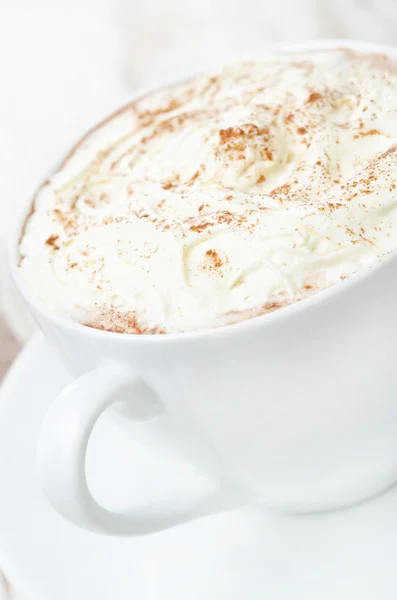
(63, 63)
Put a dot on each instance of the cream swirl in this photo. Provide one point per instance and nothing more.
(222, 198)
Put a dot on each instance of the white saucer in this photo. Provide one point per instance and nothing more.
(250, 554)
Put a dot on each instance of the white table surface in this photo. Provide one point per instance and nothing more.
(8, 350)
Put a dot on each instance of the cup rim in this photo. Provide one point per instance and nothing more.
(246, 325)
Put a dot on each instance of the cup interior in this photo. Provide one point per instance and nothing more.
(37, 306)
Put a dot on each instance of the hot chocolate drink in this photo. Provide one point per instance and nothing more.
(222, 198)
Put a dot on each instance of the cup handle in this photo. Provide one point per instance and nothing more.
(61, 457)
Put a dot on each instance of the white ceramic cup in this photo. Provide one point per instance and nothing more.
(296, 409)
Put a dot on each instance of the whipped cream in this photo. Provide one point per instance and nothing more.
(222, 198)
